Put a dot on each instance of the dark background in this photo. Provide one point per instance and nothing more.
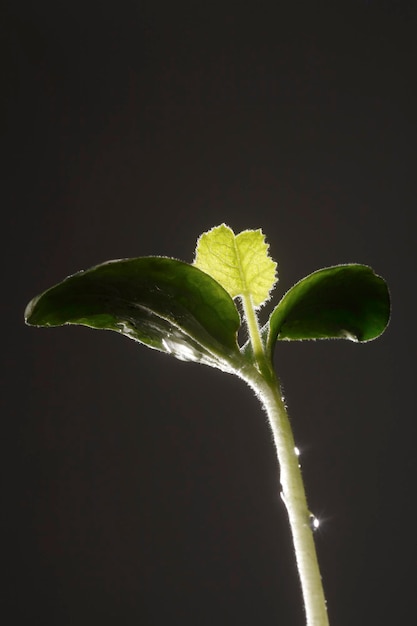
(141, 490)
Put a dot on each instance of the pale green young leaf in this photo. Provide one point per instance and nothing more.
(240, 263)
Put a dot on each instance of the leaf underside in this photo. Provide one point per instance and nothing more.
(163, 303)
(340, 302)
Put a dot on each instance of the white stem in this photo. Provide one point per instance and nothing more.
(293, 494)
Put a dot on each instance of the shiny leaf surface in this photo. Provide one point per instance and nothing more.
(340, 302)
(163, 303)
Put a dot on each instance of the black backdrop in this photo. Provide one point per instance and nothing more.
(141, 490)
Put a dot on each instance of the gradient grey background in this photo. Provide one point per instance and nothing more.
(141, 490)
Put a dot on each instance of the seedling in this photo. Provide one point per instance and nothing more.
(188, 311)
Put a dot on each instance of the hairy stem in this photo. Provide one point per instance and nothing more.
(265, 384)
(294, 497)
(255, 336)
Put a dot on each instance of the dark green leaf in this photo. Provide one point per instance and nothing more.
(164, 303)
(341, 302)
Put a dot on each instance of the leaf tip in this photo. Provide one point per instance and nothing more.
(29, 311)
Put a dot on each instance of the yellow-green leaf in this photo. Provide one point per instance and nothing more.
(240, 263)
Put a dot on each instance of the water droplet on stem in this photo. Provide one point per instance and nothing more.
(314, 522)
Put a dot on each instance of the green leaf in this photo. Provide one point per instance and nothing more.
(240, 263)
(163, 303)
(340, 302)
